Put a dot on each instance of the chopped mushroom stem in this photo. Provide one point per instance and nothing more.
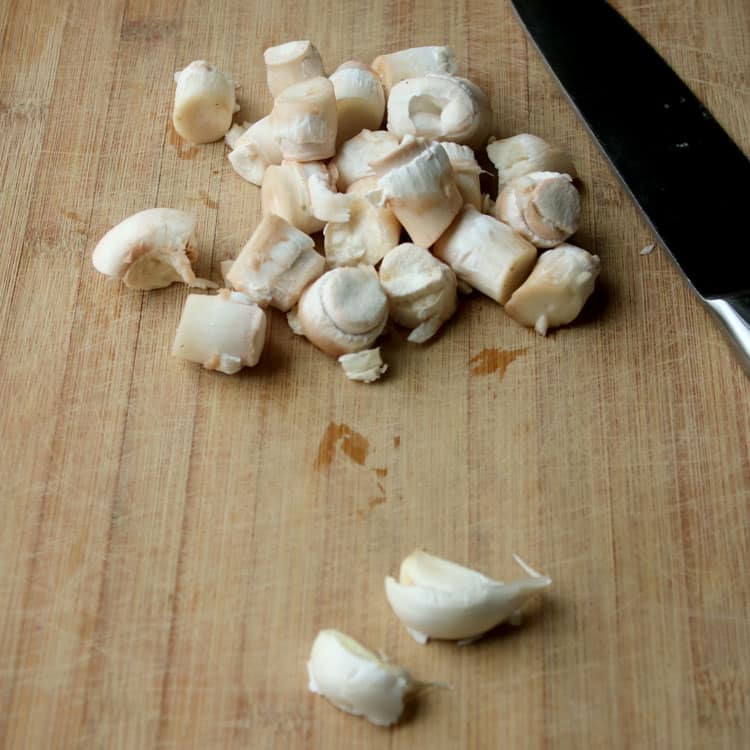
(290, 63)
(366, 366)
(254, 151)
(352, 161)
(412, 63)
(466, 172)
(360, 101)
(286, 193)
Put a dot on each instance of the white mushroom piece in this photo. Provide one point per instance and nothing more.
(466, 172)
(304, 120)
(352, 160)
(204, 102)
(366, 366)
(286, 192)
(360, 100)
(556, 290)
(150, 250)
(543, 207)
(276, 264)
(358, 681)
(369, 233)
(486, 254)
(290, 63)
(223, 332)
(440, 107)
(416, 182)
(412, 63)
(436, 598)
(344, 311)
(525, 153)
(233, 134)
(254, 151)
(421, 290)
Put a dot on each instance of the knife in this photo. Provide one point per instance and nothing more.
(688, 177)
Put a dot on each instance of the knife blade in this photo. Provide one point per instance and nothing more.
(688, 177)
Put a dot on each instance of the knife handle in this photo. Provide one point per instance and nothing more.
(733, 312)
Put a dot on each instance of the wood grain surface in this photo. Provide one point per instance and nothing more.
(172, 539)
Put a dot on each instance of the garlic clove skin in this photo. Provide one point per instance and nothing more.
(466, 172)
(223, 332)
(304, 120)
(344, 311)
(440, 107)
(360, 100)
(150, 250)
(556, 290)
(436, 598)
(543, 207)
(291, 63)
(356, 680)
(525, 153)
(204, 102)
(352, 160)
(365, 366)
(421, 290)
(254, 151)
(486, 254)
(276, 264)
(286, 192)
(416, 182)
(412, 63)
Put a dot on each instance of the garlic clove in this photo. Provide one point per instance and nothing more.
(360, 100)
(344, 311)
(150, 250)
(416, 182)
(365, 366)
(254, 151)
(352, 160)
(436, 598)
(421, 290)
(356, 680)
(543, 207)
(304, 120)
(276, 264)
(286, 192)
(440, 107)
(414, 62)
(486, 254)
(525, 153)
(204, 102)
(466, 172)
(291, 63)
(556, 290)
(223, 332)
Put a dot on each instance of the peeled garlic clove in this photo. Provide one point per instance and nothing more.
(436, 598)
(440, 107)
(543, 207)
(254, 151)
(326, 203)
(204, 102)
(150, 250)
(525, 153)
(356, 680)
(412, 63)
(344, 311)
(556, 290)
(416, 182)
(223, 332)
(367, 236)
(366, 366)
(290, 63)
(466, 172)
(486, 254)
(304, 120)
(352, 161)
(286, 192)
(421, 290)
(360, 101)
(276, 264)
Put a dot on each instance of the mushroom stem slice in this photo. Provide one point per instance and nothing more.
(411, 63)
(254, 151)
(365, 366)
(352, 160)
(290, 63)
(360, 101)
(466, 172)
(286, 192)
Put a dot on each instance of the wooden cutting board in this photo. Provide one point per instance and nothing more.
(172, 539)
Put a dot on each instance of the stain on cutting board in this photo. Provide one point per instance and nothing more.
(184, 150)
(490, 361)
(342, 437)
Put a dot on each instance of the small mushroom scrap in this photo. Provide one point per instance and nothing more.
(223, 332)
(290, 63)
(412, 63)
(352, 160)
(254, 151)
(416, 182)
(486, 254)
(466, 172)
(360, 101)
(421, 290)
(543, 207)
(204, 102)
(150, 250)
(366, 366)
(556, 290)
(344, 311)
(276, 264)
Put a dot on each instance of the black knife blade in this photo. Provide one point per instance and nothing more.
(689, 178)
